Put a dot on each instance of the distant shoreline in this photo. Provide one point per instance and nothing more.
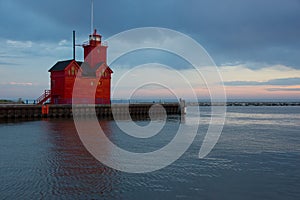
(204, 103)
(6, 101)
(243, 104)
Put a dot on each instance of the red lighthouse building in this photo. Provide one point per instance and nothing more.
(92, 74)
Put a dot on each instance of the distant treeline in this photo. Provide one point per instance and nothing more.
(6, 101)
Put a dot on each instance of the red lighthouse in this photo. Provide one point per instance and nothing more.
(93, 73)
(94, 52)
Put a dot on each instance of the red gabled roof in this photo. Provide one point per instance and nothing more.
(62, 65)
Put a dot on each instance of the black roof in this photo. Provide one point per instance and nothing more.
(61, 65)
(88, 71)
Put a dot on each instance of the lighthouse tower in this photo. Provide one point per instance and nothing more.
(94, 51)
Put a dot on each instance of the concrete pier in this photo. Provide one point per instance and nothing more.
(10, 111)
(15, 111)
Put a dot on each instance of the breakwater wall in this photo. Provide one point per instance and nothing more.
(243, 104)
(14, 111)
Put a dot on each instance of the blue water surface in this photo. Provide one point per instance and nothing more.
(256, 157)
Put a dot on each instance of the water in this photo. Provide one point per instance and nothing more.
(257, 157)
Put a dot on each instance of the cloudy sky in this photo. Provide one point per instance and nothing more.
(254, 43)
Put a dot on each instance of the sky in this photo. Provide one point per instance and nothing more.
(255, 44)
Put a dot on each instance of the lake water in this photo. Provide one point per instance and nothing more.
(256, 157)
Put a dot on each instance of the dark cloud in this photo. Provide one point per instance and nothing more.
(231, 31)
(282, 82)
(140, 57)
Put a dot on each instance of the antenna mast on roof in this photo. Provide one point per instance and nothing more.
(92, 16)
(74, 52)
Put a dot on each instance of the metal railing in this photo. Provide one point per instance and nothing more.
(44, 97)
